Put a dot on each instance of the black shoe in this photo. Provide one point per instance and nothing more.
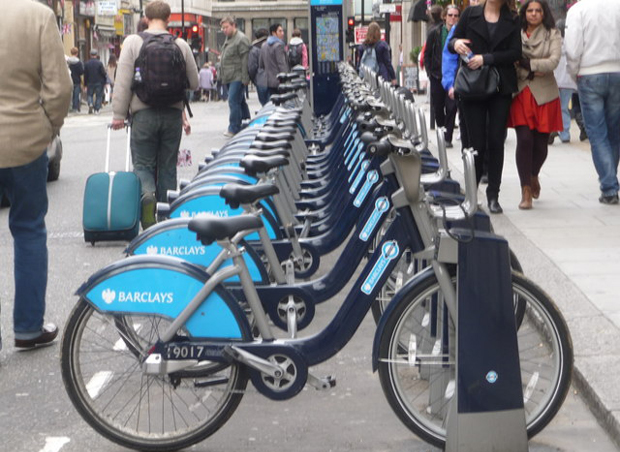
(552, 136)
(90, 110)
(583, 136)
(484, 179)
(494, 206)
(48, 334)
(612, 199)
(449, 145)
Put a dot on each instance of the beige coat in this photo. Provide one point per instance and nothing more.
(125, 99)
(544, 49)
(35, 86)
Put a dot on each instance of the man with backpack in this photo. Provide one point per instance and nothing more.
(154, 71)
(273, 57)
(95, 77)
(297, 52)
(257, 75)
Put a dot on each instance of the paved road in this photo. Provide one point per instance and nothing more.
(36, 415)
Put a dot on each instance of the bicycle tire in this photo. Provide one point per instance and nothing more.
(105, 383)
(545, 352)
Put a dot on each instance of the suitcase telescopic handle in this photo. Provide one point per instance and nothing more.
(127, 150)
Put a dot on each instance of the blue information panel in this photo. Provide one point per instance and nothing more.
(327, 50)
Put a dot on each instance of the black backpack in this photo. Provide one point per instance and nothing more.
(161, 65)
(294, 54)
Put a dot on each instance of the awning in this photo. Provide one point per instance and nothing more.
(418, 12)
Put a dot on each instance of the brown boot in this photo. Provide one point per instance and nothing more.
(526, 198)
(535, 187)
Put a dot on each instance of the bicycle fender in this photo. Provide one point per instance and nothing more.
(173, 238)
(207, 200)
(399, 297)
(164, 286)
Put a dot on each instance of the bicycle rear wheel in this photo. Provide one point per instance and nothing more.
(416, 361)
(101, 367)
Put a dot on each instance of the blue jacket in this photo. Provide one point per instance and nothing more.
(449, 64)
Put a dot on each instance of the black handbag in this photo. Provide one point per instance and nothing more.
(476, 84)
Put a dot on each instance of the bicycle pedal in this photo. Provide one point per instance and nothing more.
(323, 383)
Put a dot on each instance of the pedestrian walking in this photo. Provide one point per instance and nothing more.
(449, 66)
(444, 106)
(489, 34)
(273, 58)
(95, 78)
(206, 81)
(35, 95)
(234, 73)
(593, 56)
(296, 51)
(76, 67)
(156, 108)
(375, 53)
(536, 110)
(257, 74)
(111, 76)
(567, 87)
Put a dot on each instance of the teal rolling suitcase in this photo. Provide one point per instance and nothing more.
(112, 202)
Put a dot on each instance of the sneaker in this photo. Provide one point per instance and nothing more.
(48, 334)
(97, 112)
(228, 134)
(611, 199)
(147, 217)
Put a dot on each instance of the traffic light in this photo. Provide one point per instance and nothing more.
(195, 29)
(350, 36)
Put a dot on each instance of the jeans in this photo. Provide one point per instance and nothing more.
(263, 94)
(75, 104)
(97, 90)
(565, 97)
(155, 139)
(599, 95)
(238, 106)
(26, 188)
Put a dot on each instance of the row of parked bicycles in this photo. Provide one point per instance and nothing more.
(160, 347)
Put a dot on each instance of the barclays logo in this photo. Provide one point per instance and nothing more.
(109, 296)
(176, 250)
(217, 213)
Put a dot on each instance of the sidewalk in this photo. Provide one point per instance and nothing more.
(569, 244)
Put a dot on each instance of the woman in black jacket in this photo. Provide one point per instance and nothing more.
(489, 34)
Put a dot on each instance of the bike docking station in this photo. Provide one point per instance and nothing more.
(486, 412)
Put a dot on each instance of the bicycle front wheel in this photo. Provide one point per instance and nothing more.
(417, 356)
(101, 368)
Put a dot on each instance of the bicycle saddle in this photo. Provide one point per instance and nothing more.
(263, 146)
(286, 76)
(235, 194)
(254, 165)
(209, 228)
(269, 152)
(279, 128)
(275, 136)
(279, 99)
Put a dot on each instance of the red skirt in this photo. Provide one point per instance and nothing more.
(545, 118)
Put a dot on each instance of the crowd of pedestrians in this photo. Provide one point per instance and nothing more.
(543, 70)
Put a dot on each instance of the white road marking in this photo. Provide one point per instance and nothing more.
(98, 382)
(54, 444)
